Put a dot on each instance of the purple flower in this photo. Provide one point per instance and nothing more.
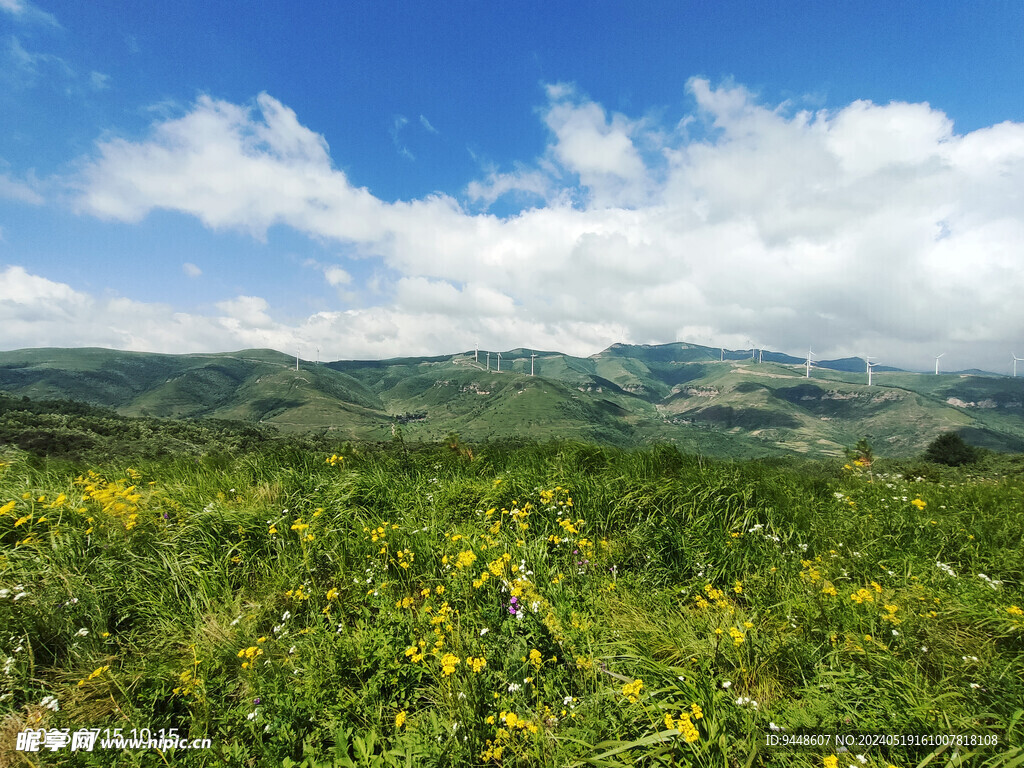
(256, 700)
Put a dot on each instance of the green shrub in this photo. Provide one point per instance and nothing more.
(950, 449)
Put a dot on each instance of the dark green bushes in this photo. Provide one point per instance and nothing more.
(950, 449)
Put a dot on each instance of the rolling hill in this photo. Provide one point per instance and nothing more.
(625, 395)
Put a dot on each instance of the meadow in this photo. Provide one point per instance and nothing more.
(518, 605)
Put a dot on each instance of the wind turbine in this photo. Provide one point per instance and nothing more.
(532, 355)
(760, 352)
(723, 355)
(499, 362)
(1015, 361)
(318, 355)
(937, 363)
(870, 366)
(296, 359)
(807, 363)
(752, 349)
(476, 353)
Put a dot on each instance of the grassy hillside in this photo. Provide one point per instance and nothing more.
(626, 395)
(563, 604)
(254, 385)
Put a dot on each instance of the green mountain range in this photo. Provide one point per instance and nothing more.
(625, 395)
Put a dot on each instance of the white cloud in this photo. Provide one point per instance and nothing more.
(426, 124)
(870, 227)
(418, 295)
(26, 68)
(399, 122)
(99, 81)
(522, 183)
(23, 10)
(35, 311)
(600, 151)
(191, 269)
(337, 276)
(231, 171)
(19, 191)
(246, 311)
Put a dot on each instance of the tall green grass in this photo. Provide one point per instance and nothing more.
(669, 609)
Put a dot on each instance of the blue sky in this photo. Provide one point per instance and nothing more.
(384, 178)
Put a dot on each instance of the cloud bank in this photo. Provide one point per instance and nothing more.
(867, 229)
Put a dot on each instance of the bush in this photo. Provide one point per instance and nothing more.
(950, 449)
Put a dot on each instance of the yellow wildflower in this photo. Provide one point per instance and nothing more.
(448, 664)
(250, 655)
(632, 690)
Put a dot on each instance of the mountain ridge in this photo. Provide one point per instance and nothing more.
(700, 398)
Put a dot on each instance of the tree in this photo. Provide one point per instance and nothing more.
(950, 449)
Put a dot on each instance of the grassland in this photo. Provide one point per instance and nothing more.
(561, 604)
